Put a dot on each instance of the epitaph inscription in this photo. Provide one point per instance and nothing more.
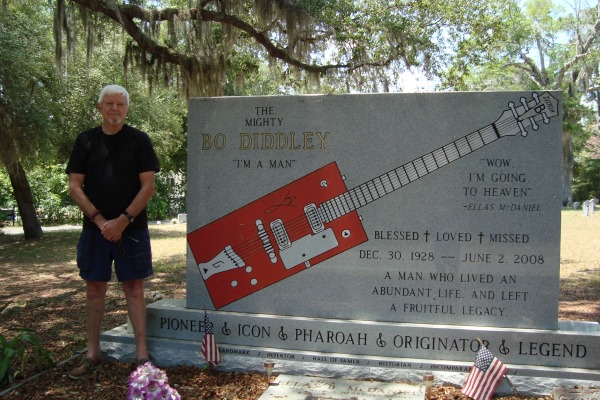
(307, 388)
(428, 208)
(398, 345)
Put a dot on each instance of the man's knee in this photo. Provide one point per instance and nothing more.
(96, 290)
(134, 288)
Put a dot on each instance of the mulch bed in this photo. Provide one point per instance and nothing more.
(110, 383)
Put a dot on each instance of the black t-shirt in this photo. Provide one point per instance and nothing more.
(111, 165)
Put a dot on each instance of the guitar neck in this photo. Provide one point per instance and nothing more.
(399, 177)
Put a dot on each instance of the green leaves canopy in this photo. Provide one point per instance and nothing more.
(353, 45)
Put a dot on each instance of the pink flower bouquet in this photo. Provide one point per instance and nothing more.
(150, 383)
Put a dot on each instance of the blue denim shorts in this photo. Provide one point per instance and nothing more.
(132, 256)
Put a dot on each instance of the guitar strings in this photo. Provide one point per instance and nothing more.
(344, 203)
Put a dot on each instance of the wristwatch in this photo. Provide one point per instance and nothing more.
(129, 216)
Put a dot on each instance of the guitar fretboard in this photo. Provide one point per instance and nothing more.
(399, 177)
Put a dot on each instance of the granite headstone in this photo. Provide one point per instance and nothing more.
(371, 231)
(427, 208)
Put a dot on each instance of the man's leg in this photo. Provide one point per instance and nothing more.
(94, 312)
(136, 309)
(95, 264)
(95, 302)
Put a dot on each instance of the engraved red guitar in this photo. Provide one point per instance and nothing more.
(314, 218)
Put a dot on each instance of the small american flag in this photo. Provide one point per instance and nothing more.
(210, 351)
(485, 376)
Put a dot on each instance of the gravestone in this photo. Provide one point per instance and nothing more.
(586, 208)
(430, 208)
(387, 231)
(580, 393)
(312, 388)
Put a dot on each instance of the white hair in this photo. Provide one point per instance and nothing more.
(112, 89)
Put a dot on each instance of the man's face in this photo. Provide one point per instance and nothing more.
(113, 109)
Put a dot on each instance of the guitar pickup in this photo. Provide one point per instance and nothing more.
(281, 236)
(313, 218)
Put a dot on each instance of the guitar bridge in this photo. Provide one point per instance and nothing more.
(226, 260)
(262, 234)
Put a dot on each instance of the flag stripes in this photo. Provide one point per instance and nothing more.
(210, 351)
(485, 376)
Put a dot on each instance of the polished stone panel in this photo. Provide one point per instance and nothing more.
(426, 208)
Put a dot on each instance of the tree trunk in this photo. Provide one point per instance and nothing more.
(24, 197)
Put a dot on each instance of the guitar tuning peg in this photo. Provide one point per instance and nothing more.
(534, 124)
(542, 111)
(545, 117)
(516, 115)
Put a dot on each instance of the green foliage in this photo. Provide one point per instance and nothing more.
(161, 113)
(169, 198)
(586, 182)
(6, 193)
(574, 115)
(41, 112)
(158, 208)
(524, 55)
(28, 81)
(19, 350)
(49, 184)
(247, 76)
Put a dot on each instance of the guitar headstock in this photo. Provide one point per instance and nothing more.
(541, 107)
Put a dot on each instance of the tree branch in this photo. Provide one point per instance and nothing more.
(125, 19)
(581, 53)
(125, 14)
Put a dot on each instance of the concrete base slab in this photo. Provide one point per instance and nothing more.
(575, 344)
(118, 344)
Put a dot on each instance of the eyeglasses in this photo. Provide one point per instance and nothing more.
(123, 249)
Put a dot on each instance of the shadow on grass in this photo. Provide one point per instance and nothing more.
(581, 287)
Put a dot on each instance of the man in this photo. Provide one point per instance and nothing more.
(111, 178)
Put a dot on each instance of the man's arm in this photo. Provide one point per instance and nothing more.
(146, 192)
(113, 229)
(80, 198)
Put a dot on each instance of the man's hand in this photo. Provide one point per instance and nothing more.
(112, 229)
